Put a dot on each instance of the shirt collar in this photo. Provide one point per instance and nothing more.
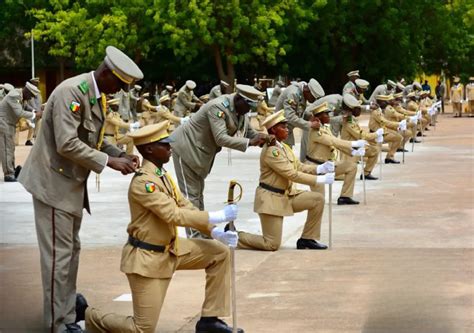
(96, 88)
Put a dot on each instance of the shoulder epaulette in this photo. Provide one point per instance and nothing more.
(84, 87)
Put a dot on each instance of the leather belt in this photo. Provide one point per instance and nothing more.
(314, 160)
(146, 246)
(271, 188)
(109, 134)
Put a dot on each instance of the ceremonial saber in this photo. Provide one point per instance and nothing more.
(330, 216)
(97, 182)
(229, 156)
(403, 153)
(363, 179)
(232, 200)
(381, 152)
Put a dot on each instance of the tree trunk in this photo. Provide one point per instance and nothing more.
(230, 75)
(61, 69)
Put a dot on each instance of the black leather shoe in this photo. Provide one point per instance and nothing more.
(416, 141)
(17, 171)
(369, 177)
(390, 161)
(309, 244)
(346, 201)
(73, 328)
(419, 134)
(81, 306)
(214, 325)
(28, 143)
(400, 150)
(9, 179)
(427, 129)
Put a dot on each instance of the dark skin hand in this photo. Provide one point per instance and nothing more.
(315, 123)
(258, 140)
(125, 164)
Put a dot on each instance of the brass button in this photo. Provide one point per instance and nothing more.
(61, 170)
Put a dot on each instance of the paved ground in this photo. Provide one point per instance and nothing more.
(403, 263)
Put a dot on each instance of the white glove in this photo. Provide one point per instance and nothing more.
(229, 238)
(414, 119)
(134, 126)
(358, 143)
(379, 139)
(419, 115)
(229, 213)
(30, 124)
(325, 167)
(402, 126)
(33, 115)
(379, 132)
(358, 152)
(184, 120)
(367, 107)
(325, 179)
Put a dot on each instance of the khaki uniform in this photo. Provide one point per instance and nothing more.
(470, 96)
(185, 102)
(112, 126)
(351, 131)
(263, 111)
(456, 98)
(11, 110)
(163, 113)
(414, 107)
(391, 114)
(293, 103)
(390, 136)
(279, 168)
(157, 208)
(56, 173)
(381, 89)
(323, 146)
(335, 105)
(197, 142)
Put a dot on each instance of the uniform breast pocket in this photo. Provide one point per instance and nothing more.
(89, 133)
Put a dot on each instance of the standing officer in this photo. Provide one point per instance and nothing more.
(218, 90)
(277, 197)
(11, 110)
(69, 146)
(293, 101)
(323, 146)
(351, 85)
(382, 89)
(154, 251)
(186, 102)
(221, 122)
(113, 124)
(277, 90)
(470, 95)
(352, 131)
(34, 104)
(134, 98)
(456, 97)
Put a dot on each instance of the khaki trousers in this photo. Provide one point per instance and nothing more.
(471, 106)
(7, 148)
(370, 159)
(148, 294)
(272, 225)
(346, 168)
(394, 141)
(457, 108)
(59, 245)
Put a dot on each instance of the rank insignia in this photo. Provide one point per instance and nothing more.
(150, 187)
(159, 172)
(93, 100)
(74, 106)
(226, 104)
(84, 87)
(275, 152)
(220, 114)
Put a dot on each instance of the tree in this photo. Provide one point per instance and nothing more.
(230, 31)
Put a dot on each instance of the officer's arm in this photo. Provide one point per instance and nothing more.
(343, 145)
(289, 105)
(184, 100)
(219, 131)
(276, 160)
(15, 105)
(117, 121)
(164, 112)
(66, 124)
(165, 207)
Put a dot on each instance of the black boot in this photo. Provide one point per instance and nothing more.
(346, 201)
(309, 244)
(214, 325)
(391, 161)
(81, 306)
(368, 177)
(9, 179)
(28, 143)
(73, 328)
(17, 171)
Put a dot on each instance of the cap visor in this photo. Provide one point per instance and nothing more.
(168, 139)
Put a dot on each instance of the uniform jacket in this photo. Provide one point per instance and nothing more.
(349, 88)
(214, 126)
(113, 123)
(185, 102)
(401, 110)
(352, 131)
(377, 120)
(276, 93)
(293, 103)
(59, 163)
(11, 109)
(323, 145)
(280, 168)
(157, 207)
(393, 115)
(215, 92)
(381, 89)
(456, 93)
